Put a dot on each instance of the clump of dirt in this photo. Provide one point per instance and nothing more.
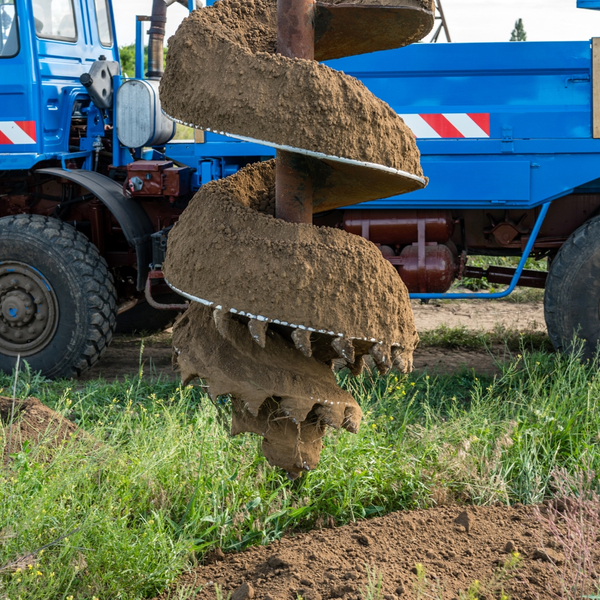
(225, 251)
(336, 563)
(277, 392)
(33, 422)
(222, 74)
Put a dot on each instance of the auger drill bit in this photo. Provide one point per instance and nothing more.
(277, 301)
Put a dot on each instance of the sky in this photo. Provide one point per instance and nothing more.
(468, 20)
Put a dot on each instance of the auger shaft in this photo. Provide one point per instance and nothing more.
(295, 39)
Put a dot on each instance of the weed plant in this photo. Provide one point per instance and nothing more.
(156, 481)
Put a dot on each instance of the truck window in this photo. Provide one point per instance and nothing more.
(103, 18)
(55, 20)
(9, 33)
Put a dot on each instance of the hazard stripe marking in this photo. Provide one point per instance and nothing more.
(449, 125)
(17, 132)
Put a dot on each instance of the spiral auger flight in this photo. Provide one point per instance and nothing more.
(278, 301)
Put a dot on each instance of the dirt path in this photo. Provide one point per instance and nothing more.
(123, 357)
(455, 548)
(482, 314)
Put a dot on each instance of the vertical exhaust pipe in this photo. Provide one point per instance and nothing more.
(157, 39)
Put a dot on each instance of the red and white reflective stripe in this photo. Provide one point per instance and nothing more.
(452, 125)
(17, 132)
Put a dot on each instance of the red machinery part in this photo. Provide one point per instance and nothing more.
(431, 271)
(157, 178)
(393, 227)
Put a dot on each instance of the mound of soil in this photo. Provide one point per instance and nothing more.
(455, 547)
(222, 74)
(33, 422)
(224, 250)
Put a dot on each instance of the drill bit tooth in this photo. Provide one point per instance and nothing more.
(258, 331)
(352, 419)
(301, 339)
(357, 367)
(344, 348)
(219, 317)
(399, 364)
(381, 358)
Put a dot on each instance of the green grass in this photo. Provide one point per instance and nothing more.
(519, 296)
(158, 481)
(470, 339)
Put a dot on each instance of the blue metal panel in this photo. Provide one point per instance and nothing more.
(541, 90)
(42, 82)
(592, 4)
(18, 98)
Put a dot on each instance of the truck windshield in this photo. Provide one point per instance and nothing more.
(103, 18)
(55, 20)
(9, 34)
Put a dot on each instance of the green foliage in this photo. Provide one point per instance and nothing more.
(127, 55)
(155, 480)
(518, 34)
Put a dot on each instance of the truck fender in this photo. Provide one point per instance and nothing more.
(132, 218)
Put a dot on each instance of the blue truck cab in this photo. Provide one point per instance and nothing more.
(45, 48)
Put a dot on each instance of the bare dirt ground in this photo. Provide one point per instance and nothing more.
(123, 357)
(454, 547)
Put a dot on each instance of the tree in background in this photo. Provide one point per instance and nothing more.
(127, 54)
(518, 33)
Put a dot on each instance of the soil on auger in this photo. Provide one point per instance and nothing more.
(266, 96)
(277, 304)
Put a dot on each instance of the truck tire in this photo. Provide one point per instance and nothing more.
(58, 301)
(572, 296)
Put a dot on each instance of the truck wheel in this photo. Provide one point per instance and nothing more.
(572, 296)
(57, 297)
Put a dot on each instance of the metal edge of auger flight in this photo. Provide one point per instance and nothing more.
(311, 153)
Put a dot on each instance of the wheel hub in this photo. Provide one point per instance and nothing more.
(28, 310)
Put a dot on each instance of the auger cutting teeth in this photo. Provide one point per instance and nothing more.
(358, 366)
(398, 360)
(344, 348)
(301, 339)
(258, 331)
(381, 358)
(219, 317)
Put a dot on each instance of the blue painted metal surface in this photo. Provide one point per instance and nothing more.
(592, 4)
(41, 83)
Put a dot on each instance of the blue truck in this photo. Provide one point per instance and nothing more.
(91, 180)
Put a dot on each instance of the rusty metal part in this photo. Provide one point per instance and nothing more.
(157, 39)
(506, 230)
(399, 227)
(350, 29)
(156, 178)
(296, 28)
(435, 272)
(504, 276)
(293, 182)
(294, 188)
(128, 305)
(150, 300)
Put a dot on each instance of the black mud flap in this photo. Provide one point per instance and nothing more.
(135, 223)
